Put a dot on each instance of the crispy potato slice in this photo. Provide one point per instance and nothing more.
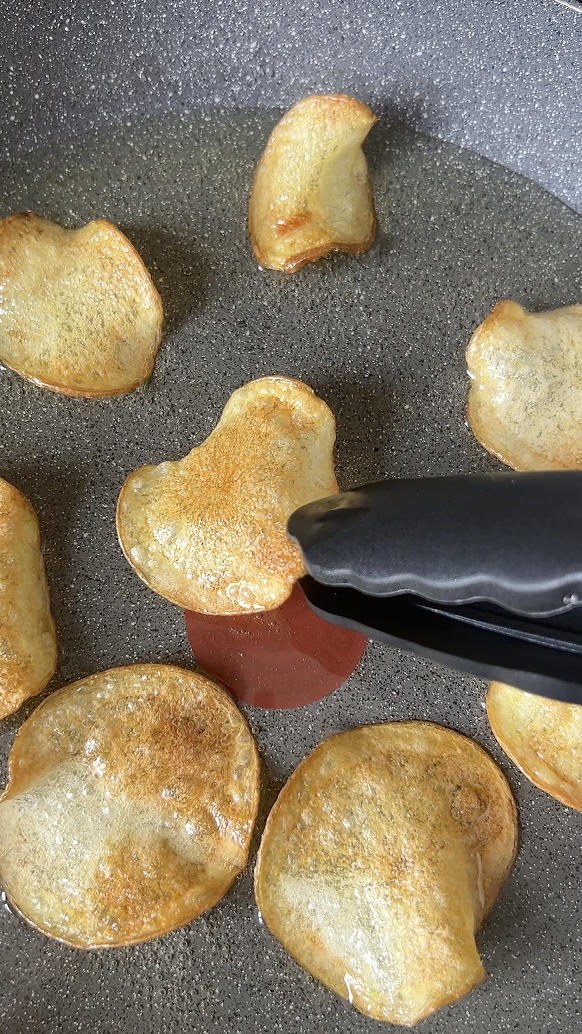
(78, 311)
(525, 403)
(130, 805)
(208, 532)
(380, 859)
(311, 193)
(28, 640)
(542, 737)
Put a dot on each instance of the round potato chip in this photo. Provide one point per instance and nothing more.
(542, 737)
(130, 805)
(381, 857)
(78, 310)
(525, 403)
(28, 641)
(209, 532)
(311, 193)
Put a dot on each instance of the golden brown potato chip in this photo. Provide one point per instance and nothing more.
(28, 641)
(208, 532)
(130, 805)
(311, 193)
(380, 859)
(525, 403)
(542, 737)
(78, 311)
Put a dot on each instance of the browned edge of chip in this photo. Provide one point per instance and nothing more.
(27, 505)
(120, 538)
(550, 789)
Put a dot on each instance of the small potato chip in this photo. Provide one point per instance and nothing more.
(311, 193)
(380, 859)
(542, 737)
(525, 403)
(130, 806)
(78, 311)
(208, 532)
(28, 641)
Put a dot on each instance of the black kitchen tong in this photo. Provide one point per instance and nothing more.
(480, 572)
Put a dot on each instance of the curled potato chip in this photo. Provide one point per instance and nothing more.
(311, 193)
(78, 311)
(28, 642)
(542, 737)
(130, 805)
(525, 403)
(208, 532)
(380, 859)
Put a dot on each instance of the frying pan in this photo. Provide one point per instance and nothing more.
(153, 115)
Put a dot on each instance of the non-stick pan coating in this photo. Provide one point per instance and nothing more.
(381, 337)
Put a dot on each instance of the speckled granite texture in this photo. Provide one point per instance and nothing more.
(381, 337)
(501, 77)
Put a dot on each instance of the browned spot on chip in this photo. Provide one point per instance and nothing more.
(139, 880)
(287, 226)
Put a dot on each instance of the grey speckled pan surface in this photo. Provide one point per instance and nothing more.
(381, 337)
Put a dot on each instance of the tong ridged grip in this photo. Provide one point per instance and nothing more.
(511, 539)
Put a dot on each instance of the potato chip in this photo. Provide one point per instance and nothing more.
(130, 805)
(311, 193)
(78, 311)
(380, 859)
(28, 641)
(542, 737)
(208, 532)
(525, 403)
